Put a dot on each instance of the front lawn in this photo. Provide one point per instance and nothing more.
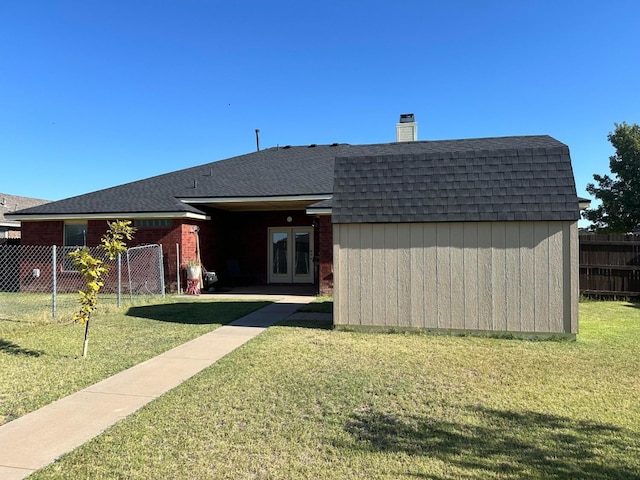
(300, 402)
(41, 362)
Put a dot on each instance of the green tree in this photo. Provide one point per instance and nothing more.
(94, 270)
(619, 210)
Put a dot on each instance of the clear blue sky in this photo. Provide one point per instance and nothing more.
(99, 93)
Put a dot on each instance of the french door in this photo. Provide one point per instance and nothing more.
(290, 255)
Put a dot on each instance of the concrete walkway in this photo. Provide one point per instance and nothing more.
(35, 440)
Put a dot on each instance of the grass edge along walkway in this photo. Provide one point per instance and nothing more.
(35, 440)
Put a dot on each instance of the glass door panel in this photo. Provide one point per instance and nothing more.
(291, 255)
(302, 255)
(280, 253)
(303, 264)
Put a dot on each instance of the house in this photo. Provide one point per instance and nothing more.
(476, 234)
(10, 229)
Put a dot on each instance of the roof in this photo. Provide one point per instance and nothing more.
(281, 174)
(494, 179)
(12, 203)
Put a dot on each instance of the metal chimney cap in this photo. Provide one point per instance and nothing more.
(407, 118)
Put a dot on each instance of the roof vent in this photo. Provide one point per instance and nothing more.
(286, 146)
(406, 128)
(313, 145)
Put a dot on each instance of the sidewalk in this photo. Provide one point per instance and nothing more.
(35, 440)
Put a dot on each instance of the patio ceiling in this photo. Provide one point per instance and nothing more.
(246, 204)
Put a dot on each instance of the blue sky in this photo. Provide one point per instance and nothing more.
(98, 93)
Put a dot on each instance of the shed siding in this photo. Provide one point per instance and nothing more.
(504, 276)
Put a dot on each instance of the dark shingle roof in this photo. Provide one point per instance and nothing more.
(306, 170)
(493, 179)
(271, 172)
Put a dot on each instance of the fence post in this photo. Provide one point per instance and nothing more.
(119, 280)
(129, 275)
(161, 268)
(178, 266)
(54, 278)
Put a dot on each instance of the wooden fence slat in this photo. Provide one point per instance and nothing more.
(610, 265)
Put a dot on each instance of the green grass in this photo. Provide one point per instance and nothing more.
(40, 360)
(315, 403)
(319, 305)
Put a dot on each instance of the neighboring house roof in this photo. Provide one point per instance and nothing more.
(505, 179)
(12, 203)
(279, 174)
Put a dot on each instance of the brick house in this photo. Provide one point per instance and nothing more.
(293, 214)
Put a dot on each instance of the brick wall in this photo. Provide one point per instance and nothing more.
(42, 233)
(241, 236)
(325, 253)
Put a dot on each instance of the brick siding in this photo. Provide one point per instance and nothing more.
(325, 252)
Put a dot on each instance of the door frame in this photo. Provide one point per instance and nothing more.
(290, 277)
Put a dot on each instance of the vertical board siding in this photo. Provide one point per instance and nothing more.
(456, 266)
(354, 252)
(337, 296)
(512, 277)
(527, 277)
(541, 275)
(471, 278)
(391, 277)
(556, 298)
(571, 284)
(430, 268)
(484, 286)
(499, 276)
(443, 277)
(503, 276)
(404, 275)
(366, 272)
(417, 274)
(379, 275)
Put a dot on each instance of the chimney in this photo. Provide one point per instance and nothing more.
(407, 128)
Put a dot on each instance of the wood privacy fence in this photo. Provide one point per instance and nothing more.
(610, 265)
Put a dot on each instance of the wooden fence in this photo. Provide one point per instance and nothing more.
(610, 265)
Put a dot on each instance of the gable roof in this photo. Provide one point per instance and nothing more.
(284, 174)
(493, 179)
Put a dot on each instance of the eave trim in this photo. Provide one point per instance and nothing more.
(110, 216)
(275, 198)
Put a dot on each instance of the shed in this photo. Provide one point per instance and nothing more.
(476, 235)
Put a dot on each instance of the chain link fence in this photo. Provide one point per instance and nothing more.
(41, 281)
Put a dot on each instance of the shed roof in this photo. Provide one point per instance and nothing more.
(499, 179)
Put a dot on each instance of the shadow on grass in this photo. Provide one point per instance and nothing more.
(314, 324)
(196, 313)
(505, 443)
(14, 349)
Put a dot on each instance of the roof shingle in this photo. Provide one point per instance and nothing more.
(448, 180)
(508, 179)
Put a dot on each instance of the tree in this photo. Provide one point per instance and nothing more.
(619, 211)
(94, 270)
